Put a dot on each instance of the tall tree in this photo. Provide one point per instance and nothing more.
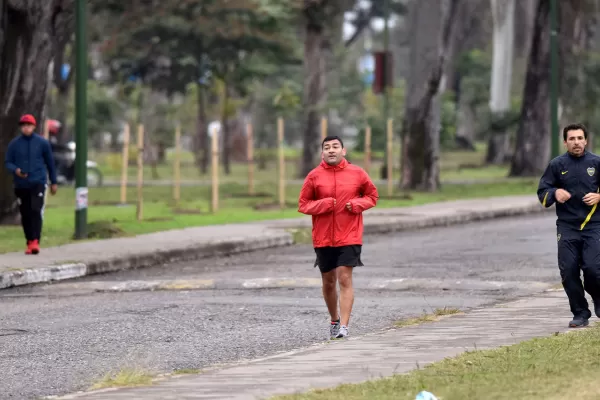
(320, 20)
(503, 12)
(191, 42)
(470, 33)
(27, 32)
(431, 27)
(63, 54)
(532, 145)
(316, 14)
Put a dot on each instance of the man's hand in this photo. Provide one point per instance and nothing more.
(562, 195)
(20, 174)
(591, 198)
(53, 189)
(349, 206)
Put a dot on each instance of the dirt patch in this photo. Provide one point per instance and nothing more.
(158, 219)
(104, 230)
(188, 211)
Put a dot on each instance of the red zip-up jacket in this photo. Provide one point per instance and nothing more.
(336, 226)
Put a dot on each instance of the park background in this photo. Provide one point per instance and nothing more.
(439, 100)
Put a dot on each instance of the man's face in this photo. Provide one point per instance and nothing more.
(27, 129)
(575, 142)
(333, 152)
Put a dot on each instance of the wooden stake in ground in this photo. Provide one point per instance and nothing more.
(250, 156)
(215, 169)
(124, 164)
(140, 177)
(367, 148)
(281, 162)
(177, 166)
(323, 128)
(390, 158)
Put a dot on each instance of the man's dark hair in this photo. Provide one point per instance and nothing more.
(574, 127)
(330, 138)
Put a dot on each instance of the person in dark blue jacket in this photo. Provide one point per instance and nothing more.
(29, 159)
(571, 182)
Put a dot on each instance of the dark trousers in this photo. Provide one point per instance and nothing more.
(31, 206)
(579, 251)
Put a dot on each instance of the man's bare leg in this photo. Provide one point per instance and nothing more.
(344, 277)
(330, 293)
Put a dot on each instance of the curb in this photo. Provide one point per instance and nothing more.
(455, 219)
(78, 270)
(277, 237)
(396, 284)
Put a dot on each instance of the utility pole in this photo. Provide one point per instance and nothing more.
(81, 131)
(385, 73)
(554, 134)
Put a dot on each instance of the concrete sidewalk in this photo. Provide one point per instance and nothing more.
(92, 257)
(377, 355)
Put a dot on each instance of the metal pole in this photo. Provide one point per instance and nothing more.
(554, 135)
(386, 45)
(81, 191)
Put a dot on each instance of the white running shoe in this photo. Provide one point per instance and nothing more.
(343, 332)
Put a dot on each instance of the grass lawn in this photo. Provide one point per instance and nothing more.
(109, 219)
(559, 367)
(454, 165)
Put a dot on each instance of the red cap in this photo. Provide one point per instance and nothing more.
(27, 119)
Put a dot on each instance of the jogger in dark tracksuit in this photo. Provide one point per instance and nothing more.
(29, 159)
(571, 182)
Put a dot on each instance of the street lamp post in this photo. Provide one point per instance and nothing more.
(81, 191)
(554, 135)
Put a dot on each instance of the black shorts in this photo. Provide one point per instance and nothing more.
(329, 258)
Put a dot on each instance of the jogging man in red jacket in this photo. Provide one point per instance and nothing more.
(335, 194)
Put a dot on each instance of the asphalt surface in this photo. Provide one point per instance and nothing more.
(63, 337)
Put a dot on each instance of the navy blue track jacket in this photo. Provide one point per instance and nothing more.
(578, 176)
(33, 155)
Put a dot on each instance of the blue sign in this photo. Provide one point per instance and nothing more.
(64, 71)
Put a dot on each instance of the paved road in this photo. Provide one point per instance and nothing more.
(67, 335)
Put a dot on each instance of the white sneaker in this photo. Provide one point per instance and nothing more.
(343, 332)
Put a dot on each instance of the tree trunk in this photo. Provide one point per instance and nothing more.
(532, 152)
(63, 87)
(201, 149)
(576, 45)
(503, 12)
(532, 147)
(466, 125)
(431, 28)
(498, 147)
(524, 20)
(315, 94)
(25, 53)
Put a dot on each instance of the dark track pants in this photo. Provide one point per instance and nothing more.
(579, 251)
(31, 206)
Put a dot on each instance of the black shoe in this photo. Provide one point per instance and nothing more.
(578, 322)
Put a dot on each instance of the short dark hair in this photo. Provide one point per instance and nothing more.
(574, 127)
(330, 138)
